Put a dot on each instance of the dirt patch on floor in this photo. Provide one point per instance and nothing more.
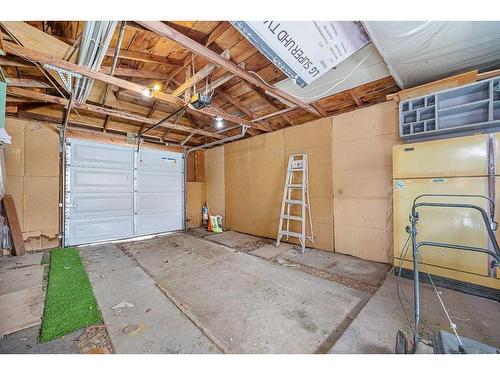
(347, 281)
(248, 246)
(94, 340)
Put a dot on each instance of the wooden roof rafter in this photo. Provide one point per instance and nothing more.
(167, 31)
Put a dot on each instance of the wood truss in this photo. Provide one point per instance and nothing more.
(182, 58)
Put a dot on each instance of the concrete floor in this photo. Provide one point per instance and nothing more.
(138, 316)
(247, 304)
(374, 329)
(236, 293)
(26, 342)
(344, 269)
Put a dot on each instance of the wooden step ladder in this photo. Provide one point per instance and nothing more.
(296, 194)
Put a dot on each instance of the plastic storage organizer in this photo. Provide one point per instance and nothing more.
(466, 109)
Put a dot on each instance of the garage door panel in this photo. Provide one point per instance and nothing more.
(101, 156)
(157, 223)
(159, 202)
(100, 229)
(151, 182)
(160, 162)
(109, 199)
(101, 180)
(101, 204)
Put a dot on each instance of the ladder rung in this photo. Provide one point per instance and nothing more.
(296, 170)
(291, 217)
(293, 201)
(290, 234)
(295, 186)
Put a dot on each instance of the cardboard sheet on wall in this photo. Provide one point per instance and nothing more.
(305, 50)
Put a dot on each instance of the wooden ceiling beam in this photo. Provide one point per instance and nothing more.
(221, 27)
(77, 124)
(172, 34)
(43, 58)
(105, 111)
(15, 62)
(215, 112)
(320, 109)
(355, 96)
(238, 104)
(198, 76)
(264, 97)
(27, 82)
(2, 48)
(136, 73)
(193, 80)
(145, 57)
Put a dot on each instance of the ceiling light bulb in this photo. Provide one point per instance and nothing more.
(147, 92)
(156, 87)
(218, 122)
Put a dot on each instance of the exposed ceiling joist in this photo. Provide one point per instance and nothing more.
(27, 82)
(197, 77)
(263, 96)
(238, 104)
(221, 27)
(320, 109)
(106, 111)
(15, 62)
(215, 112)
(135, 73)
(166, 31)
(144, 57)
(2, 48)
(20, 51)
(355, 97)
(81, 125)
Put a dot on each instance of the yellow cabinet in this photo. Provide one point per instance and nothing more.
(451, 166)
(438, 224)
(456, 157)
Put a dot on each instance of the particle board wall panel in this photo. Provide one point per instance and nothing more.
(34, 186)
(237, 184)
(315, 139)
(196, 166)
(366, 122)
(365, 242)
(362, 156)
(195, 201)
(255, 173)
(200, 166)
(215, 181)
(41, 203)
(266, 182)
(14, 153)
(41, 150)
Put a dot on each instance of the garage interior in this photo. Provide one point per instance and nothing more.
(215, 200)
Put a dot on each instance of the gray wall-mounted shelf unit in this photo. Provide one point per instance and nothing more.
(462, 110)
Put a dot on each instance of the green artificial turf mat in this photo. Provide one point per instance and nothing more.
(70, 302)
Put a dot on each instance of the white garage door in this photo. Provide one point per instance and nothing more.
(115, 192)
